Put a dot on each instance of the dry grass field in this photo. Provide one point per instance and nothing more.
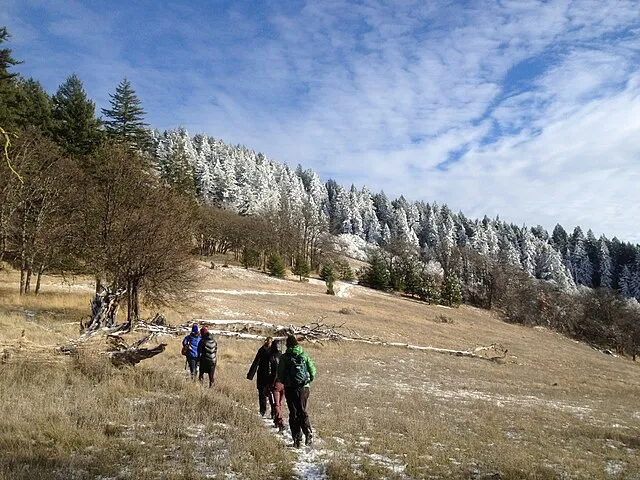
(552, 408)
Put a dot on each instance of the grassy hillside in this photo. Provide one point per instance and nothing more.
(553, 408)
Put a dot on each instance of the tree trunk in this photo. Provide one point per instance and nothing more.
(129, 303)
(27, 282)
(40, 272)
(23, 252)
(136, 301)
(22, 280)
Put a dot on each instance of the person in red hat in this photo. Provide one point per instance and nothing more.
(207, 355)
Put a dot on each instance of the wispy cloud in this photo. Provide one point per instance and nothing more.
(522, 108)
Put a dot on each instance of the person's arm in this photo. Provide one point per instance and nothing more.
(200, 349)
(254, 366)
(281, 369)
(310, 367)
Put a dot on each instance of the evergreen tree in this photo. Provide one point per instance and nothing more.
(328, 276)
(9, 100)
(376, 275)
(430, 291)
(275, 266)
(301, 268)
(344, 271)
(75, 127)
(605, 266)
(250, 257)
(125, 119)
(451, 291)
(326, 272)
(35, 106)
(626, 282)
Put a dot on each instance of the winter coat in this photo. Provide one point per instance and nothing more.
(261, 366)
(283, 366)
(274, 360)
(193, 339)
(207, 349)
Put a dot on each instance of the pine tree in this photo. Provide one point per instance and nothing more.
(376, 275)
(301, 268)
(250, 257)
(125, 119)
(605, 266)
(626, 282)
(35, 106)
(75, 127)
(275, 266)
(9, 100)
(430, 291)
(451, 291)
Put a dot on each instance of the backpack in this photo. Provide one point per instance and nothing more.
(298, 375)
(186, 345)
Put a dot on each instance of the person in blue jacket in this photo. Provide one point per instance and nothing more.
(190, 350)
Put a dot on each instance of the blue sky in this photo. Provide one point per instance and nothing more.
(525, 109)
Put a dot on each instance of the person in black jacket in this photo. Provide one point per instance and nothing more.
(207, 355)
(261, 366)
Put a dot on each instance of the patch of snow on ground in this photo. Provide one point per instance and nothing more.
(309, 465)
(343, 289)
(396, 466)
(277, 313)
(249, 292)
(613, 467)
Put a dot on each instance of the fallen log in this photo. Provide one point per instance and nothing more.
(316, 332)
(135, 355)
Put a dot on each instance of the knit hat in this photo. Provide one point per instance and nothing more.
(291, 341)
(204, 331)
(194, 329)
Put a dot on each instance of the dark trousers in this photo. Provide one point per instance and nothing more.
(262, 399)
(298, 418)
(193, 366)
(208, 368)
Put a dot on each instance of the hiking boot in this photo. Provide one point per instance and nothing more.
(297, 442)
(308, 439)
(281, 429)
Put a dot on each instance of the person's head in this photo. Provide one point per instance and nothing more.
(267, 342)
(204, 331)
(194, 329)
(275, 345)
(291, 341)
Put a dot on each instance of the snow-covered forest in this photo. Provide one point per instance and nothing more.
(249, 183)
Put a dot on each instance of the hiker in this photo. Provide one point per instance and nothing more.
(190, 350)
(261, 366)
(275, 389)
(207, 355)
(296, 371)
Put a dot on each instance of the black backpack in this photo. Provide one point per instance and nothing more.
(298, 374)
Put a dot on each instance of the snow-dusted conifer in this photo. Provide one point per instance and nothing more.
(605, 266)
